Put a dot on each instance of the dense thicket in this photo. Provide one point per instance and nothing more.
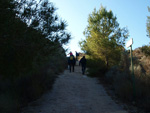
(31, 52)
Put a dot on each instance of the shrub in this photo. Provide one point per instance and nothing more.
(96, 67)
(31, 54)
(9, 104)
(146, 50)
(123, 86)
(26, 88)
(119, 77)
(121, 83)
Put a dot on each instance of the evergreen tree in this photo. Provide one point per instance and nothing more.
(41, 15)
(31, 51)
(30, 34)
(104, 38)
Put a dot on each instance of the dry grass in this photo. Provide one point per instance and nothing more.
(122, 82)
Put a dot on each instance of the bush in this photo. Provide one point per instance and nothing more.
(96, 67)
(123, 86)
(17, 92)
(31, 54)
(120, 78)
(146, 50)
(121, 83)
(9, 104)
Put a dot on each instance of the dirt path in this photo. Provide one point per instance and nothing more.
(75, 93)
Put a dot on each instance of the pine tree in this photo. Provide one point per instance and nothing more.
(104, 38)
(30, 34)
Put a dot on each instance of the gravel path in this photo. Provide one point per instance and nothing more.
(75, 93)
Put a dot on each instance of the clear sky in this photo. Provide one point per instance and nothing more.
(130, 13)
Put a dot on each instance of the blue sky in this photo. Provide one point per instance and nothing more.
(130, 13)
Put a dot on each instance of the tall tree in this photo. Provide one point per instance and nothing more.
(41, 15)
(30, 33)
(104, 38)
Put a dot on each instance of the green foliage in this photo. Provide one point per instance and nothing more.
(120, 79)
(104, 38)
(25, 47)
(104, 44)
(31, 52)
(96, 67)
(146, 50)
(41, 15)
(148, 23)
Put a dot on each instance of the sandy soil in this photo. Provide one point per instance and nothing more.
(75, 93)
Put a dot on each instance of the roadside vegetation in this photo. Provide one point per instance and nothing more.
(31, 51)
(110, 61)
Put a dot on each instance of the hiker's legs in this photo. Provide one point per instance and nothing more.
(83, 69)
(70, 67)
(73, 67)
(76, 58)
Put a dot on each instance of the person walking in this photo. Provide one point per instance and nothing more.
(83, 64)
(77, 55)
(71, 62)
(70, 53)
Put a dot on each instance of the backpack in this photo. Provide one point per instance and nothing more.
(71, 57)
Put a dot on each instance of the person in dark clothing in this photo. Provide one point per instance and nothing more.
(70, 53)
(83, 64)
(77, 55)
(71, 62)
